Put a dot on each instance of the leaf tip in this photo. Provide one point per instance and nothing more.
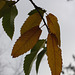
(11, 37)
(13, 56)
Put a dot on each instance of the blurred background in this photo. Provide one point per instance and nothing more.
(64, 10)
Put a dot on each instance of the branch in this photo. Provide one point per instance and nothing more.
(15, 2)
(36, 7)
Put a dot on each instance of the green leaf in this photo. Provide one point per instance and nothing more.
(38, 45)
(42, 11)
(6, 8)
(39, 58)
(8, 21)
(29, 59)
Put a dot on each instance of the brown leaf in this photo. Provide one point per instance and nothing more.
(54, 26)
(32, 21)
(26, 41)
(2, 3)
(54, 55)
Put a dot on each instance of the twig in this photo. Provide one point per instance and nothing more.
(36, 7)
(15, 2)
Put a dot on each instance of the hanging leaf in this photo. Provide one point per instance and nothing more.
(29, 59)
(54, 55)
(26, 41)
(8, 21)
(6, 8)
(42, 11)
(32, 21)
(40, 44)
(39, 58)
(2, 3)
(54, 26)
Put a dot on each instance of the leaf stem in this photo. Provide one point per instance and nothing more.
(41, 26)
(36, 7)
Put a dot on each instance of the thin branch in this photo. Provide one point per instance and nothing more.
(36, 7)
(15, 2)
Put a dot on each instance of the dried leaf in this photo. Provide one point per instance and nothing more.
(32, 21)
(26, 41)
(2, 3)
(54, 26)
(54, 55)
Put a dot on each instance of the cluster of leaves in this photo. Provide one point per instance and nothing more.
(8, 12)
(29, 39)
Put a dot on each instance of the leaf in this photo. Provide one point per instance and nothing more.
(38, 45)
(42, 11)
(8, 21)
(6, 8)
(29, 59)
(26, 41)
(2, 3)
(32, 21)
(54, 26)
(54, 55)
(39, 58)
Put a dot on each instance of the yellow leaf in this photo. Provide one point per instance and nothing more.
(54, 26)
(2, 3)
(32, 21)
(54, 55)
(26, 41)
